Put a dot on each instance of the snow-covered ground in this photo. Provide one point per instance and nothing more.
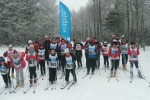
(96, 88)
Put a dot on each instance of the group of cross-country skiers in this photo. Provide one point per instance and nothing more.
(59, 54)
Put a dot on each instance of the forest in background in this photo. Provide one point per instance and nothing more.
(21, 20)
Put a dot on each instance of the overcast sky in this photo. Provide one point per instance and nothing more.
(75, 4)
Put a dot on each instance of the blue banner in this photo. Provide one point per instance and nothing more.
(65, 21)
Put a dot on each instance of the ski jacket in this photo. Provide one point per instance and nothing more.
(133, 54)
(114, 53)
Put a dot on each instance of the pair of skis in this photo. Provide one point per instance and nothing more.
(29, 87)
(52, 87)
(3, 90)
(71, 84)
(16, 89)
(87, 75)
(109, 78)
(144, 78)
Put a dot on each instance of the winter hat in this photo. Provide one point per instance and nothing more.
(105, 42)
(114, 42)
(2, 59)
(123, 36)
(66, 50)
(92, 41)
(10, 46)
(87, 39)
(46, 36)
(132, 43)
(29, 42)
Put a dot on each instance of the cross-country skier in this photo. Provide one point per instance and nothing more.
(54, 45)
(8, 54)
(124, 53)
(41, 58)
(53, 64)
(63, 45)
(4, 70)
(114, 54)
(133, 53)
(78, 46)
(69, 61)
(105, 52)
(19, 64)
(47, 47)
(27, 48)
(86, 45)
(98, 46)
(92, 54)
(32, 58)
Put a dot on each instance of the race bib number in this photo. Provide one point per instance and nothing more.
(53, 64)
(114, 51)
(78, 47)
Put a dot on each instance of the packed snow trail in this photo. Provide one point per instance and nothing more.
(95, 88)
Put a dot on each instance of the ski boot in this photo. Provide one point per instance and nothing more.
(111, 74)
(139, 74)
(123, 67)
(30, 83)
(131, 74)
(6, 85)
(92, 73)
(115, 73)
(17, 85)
(12, 75)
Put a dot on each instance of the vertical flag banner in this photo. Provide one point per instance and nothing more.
(65, 21)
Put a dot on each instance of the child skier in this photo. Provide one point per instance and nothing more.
(70, 66)
(62, 47)
(8, 54)
(92, 55)
(105, 51)
(133, 53)
(19, 65)
(4, 70)
(114, 53)
(86, 45)
(32, 58)
(124, 52)
(41, 57)
(54, 45)
(53, 64)
(27, 48)
(78, 46)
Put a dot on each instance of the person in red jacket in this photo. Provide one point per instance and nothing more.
(9, 54)
(114, 53)
(133, 53)
(19, 64)
(105, 51)
(32, 59)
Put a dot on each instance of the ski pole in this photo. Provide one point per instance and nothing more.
(141, 70)
(64, 76)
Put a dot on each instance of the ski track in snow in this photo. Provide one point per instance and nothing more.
(96, 88)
